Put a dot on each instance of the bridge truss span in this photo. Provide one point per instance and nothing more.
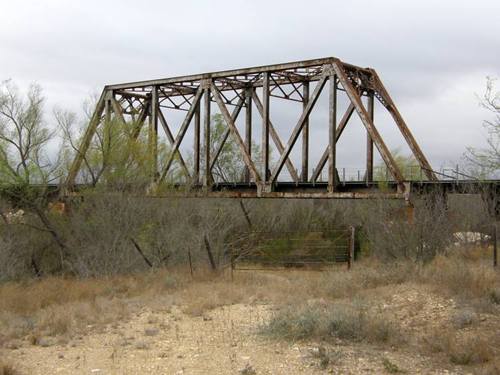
(233, 92)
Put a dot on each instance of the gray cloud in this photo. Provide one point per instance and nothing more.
(433, 56)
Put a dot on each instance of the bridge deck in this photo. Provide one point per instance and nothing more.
(319, 190)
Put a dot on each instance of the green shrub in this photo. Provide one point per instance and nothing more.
(351, 322)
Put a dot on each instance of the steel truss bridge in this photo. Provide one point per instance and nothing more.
(144, 104)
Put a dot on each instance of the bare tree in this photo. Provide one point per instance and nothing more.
(25, 167)
(229, 165)
(488, 159)
(23, 136)
(407, 164)
(72, 132)
(115, 157)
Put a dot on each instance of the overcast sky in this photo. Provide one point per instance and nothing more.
(433, 56)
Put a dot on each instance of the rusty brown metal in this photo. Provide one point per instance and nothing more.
(340, 129)
(355, 98)
(248, 128)
(142, 117)
(207, 179)
(282, 194)
(234, 130)
(153, 135)
(134, 103)
(171, 139)
(305, 135)
(386, 100)
(196, 146)
(265, 127)
(117, 109)
(298, 128)
(276, 139)
(332, 138)
(181, 134)
(87, 138)
(234, 116)
(369, 141)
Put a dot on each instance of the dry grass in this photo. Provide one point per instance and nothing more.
(7, 369)
(58, 306)
(459, 277)
(391, 367)
(210, 295)
(490, 368)
(354, 321)
(462, 349)
(311, 305)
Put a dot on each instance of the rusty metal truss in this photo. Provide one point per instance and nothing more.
(138, 103)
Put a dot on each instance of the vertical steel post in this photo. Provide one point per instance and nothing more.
(332, 172)
(207, 179)
(107, 109)
(369, 141)
(196, 152)
(248, 128)
(153, 133)
(107, 125)
(305, 135)
(265, 127)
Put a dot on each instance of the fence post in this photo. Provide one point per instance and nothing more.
(232, 263)
(350, 258)
(190, 263)
(495, 237)
(211, 258)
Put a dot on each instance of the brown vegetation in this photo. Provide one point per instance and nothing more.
(6, 369)
(411, 288)
(349, 305)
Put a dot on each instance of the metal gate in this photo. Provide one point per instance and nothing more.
(305, 249)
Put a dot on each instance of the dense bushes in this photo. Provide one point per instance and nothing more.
(111, 233)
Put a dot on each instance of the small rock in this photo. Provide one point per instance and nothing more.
(248, 370)
(151, 331)
(142, 345)
(43, 342)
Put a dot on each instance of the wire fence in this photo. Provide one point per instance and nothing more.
(281, 250)
(410, 173)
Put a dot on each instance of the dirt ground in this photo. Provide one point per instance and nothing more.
(160, 339)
